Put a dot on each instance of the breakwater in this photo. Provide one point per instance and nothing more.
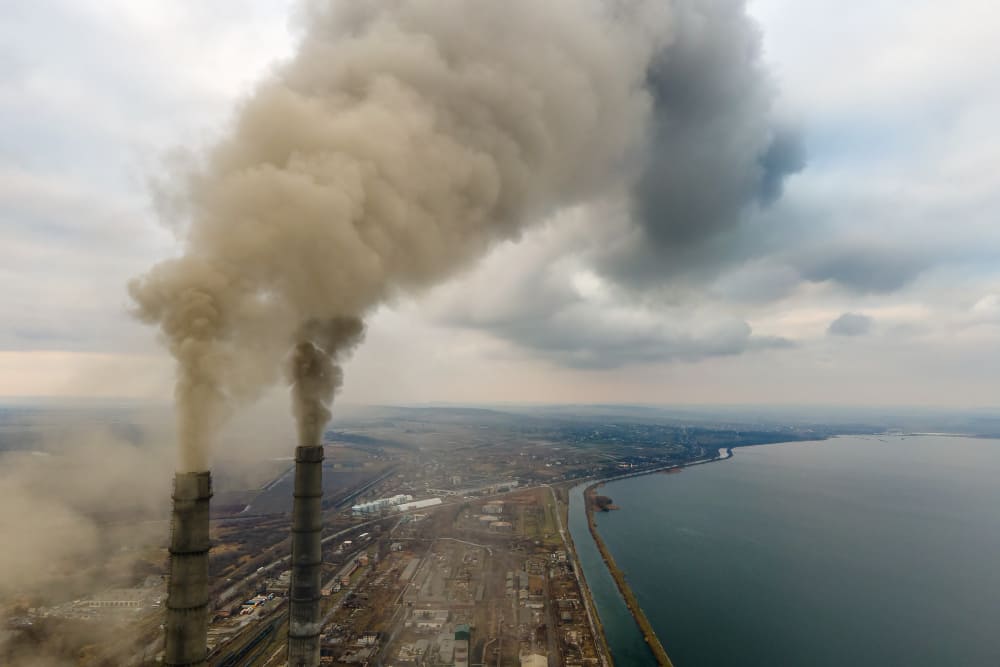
(626, 591)
(876, 548)
(605, 584)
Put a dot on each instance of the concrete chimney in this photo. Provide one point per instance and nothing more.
(187, 590)
(307, 558)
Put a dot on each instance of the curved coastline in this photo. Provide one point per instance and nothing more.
(649, 635)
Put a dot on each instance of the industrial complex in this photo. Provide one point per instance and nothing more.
(446, 548)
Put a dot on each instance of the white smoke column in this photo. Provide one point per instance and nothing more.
(401, 141)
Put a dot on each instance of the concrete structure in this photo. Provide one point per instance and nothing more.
(376, 506)
(280, 584)
(121, 598)
(359, 657)
(446, 649)
(418, 504)
(534, 660)
(304, 593)
(413, 652)
(186, 641)
(424, 620)
(495, 507)
(409, 570)
(462, 653)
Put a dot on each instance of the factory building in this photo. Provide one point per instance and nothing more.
(461, 653)
(428, 619)
(463, 634)
(413, 652)
(446, 649)
(279, 585)
(494, 507)
(534, 660)
(418, 504)
(376, 506)
(129, 598)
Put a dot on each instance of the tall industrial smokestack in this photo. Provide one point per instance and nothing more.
(315, 376)
(307, 558)
(187, 592)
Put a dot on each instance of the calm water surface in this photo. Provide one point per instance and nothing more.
(868, 551)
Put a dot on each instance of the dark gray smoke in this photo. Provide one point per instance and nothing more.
(316, 375)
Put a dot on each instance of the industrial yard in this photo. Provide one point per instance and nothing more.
(434, 587)
(442, 543)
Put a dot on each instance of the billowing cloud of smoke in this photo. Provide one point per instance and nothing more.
(83, 512)
(401, 141)
(315, 374)
(65, 508)
(716, 156)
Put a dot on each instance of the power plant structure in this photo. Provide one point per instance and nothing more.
(186, 641)
(307, 558)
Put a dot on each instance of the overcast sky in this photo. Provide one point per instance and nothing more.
(871, 277)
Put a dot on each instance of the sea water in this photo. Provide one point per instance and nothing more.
(868, 551)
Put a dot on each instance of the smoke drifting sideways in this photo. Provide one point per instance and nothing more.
(396, 147)
(82, 512)
(76, 500)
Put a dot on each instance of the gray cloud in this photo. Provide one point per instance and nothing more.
(715, 160)
(715, 148)
(577, 337)
(761, 282)
(862, 267)
(558, 311)
(784, 156)
(851, 324)
(67, 249)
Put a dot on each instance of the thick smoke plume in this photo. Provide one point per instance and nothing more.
(401, 141)
(315, 374)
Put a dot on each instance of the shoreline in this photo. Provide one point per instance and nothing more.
(631, 602)
(589, 603)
